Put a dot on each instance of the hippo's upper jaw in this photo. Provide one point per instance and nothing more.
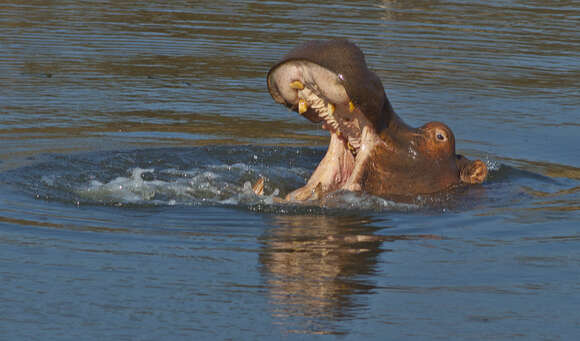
(371, 149)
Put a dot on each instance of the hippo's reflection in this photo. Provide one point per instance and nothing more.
(315, 265)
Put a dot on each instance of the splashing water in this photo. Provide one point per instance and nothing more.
(216, 175)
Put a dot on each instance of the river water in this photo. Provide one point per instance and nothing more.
(132, 131)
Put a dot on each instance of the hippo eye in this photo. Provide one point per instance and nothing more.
(440, 137)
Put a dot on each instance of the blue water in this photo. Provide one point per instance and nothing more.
(132, 133)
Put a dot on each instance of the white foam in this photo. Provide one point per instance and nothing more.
(203, 186)
(182, 187)
(124, 189)
(492, 165)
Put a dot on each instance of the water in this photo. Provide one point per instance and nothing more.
(132, 132)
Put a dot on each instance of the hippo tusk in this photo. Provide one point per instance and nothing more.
(351, 148)
(297, 85)
(330, 108)
(258, 188)
(302, 106)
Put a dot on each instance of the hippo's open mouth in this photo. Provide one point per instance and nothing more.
(317, 94)
(371, 149)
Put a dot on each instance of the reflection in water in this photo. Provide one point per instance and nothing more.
(314, 265)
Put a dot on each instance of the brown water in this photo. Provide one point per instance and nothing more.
(131, 130)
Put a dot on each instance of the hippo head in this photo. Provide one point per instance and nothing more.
(371, 148)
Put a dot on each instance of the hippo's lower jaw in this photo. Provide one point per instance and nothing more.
(352, 137)
(371, 149)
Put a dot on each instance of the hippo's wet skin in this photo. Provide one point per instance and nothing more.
(371, 148)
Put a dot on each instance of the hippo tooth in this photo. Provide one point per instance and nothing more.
(317, 192)
(297, 85)
(350, 147)
(302, 106)
(330, 108)
(350, 106)
(258, 188)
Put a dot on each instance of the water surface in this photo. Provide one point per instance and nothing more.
(132, 132)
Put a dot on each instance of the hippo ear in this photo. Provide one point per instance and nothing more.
(474, 172)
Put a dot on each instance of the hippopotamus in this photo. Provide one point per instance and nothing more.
(371, 148)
